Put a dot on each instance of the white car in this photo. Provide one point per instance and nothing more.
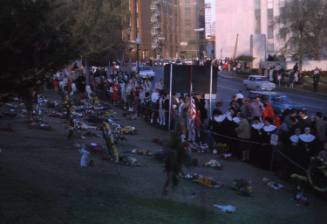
(146, 72)
(258, 82)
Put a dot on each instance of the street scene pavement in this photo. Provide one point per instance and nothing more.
(43, 166)
(229, 83)
(313, 102)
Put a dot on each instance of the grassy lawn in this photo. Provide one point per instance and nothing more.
(95, 206)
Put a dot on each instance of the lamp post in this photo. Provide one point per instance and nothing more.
(138, 42)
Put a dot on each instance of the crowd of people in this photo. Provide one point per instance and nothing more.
(277, 74)
(250, 128)
(259, 132)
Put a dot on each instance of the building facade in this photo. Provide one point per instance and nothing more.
(153, 26)
(210, 28)
(168, 28)
(247, 28)
(210, 18)
(139, 22)
(165, 28)
(192, 28)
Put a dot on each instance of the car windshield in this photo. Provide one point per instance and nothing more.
(260, 79)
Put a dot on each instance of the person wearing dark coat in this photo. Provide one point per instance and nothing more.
(292, 151)
(217, 126)
(203, 110)
(266, 153)
(304, 120)
(243, 131)
(320, 129)
(307, 147)
(230, 123)
(256, 136)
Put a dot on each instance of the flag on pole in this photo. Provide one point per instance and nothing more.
(192, 109)
(191, 120)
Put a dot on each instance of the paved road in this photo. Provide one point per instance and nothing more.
(229, 85)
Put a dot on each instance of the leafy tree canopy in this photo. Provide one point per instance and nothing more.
(40, 36)
(303, 27)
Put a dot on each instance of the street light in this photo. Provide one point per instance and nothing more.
(138, 42)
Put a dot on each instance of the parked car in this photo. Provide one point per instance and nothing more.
(279, 101)
(146, 72)
(258, 82)
(188, 62)
(133, 67)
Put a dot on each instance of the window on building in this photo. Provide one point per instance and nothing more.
(257, 4)
(270, 15)
(270, 32)
(257, 21)
(270, 4)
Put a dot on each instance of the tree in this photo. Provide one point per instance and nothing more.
(40, 36)
(303, 27)
(98, 25)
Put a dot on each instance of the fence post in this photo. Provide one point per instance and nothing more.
(210, 94)
(170, 95)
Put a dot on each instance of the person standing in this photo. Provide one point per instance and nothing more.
(243, 132)
(291, 79)
(308, 147)
(296, 68)
(174, 161)
(191, 116)
(256, 136)
(316, 79)
(161, 108)
(115, 96)
(320, 127)
(269, 130)
(154, 105)
(108, 136)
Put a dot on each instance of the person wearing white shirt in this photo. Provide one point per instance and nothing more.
(88, 91)
(154, 101)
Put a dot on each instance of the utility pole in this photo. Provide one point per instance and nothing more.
(235, 47)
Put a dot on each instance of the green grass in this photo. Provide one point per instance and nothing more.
(25, 204)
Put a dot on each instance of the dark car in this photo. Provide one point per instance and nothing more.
(279, 101)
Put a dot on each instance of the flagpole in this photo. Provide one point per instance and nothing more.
(210, 94)
(170, 95)
(191, 84)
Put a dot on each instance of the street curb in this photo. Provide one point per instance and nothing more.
(296, 90)
(303, 91)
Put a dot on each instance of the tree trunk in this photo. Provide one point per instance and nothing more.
(300, 53)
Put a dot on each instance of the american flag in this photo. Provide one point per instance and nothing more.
(192, 109)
